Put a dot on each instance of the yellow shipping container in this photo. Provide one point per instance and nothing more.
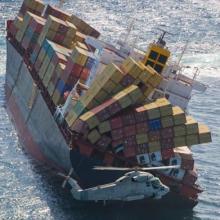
(153, 111)
(79, 56)
(204, 134)
(101, 96)
(180, 141)
(23, 26)
(71, 118)
(148, 91)
(179, 116)
(123, 99)
(91, 119)
(191, 125)
(164, 106)
(179, 130)
(167, 121)
(104, 127)
(131, 67)
(94, 136)
(192, 139)
(154, 146)
(134, 92)
(111, 72)
(142, 138)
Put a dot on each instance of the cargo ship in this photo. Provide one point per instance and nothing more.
(94, 110)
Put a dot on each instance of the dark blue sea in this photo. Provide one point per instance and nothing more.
(30, 191)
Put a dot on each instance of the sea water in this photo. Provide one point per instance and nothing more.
(30, 191)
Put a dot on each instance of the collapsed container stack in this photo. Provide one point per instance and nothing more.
(114, 115)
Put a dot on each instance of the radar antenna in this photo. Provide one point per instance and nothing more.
(161, 40)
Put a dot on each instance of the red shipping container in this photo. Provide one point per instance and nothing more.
(128, 119)
(117, 134)
(103, 143)
(116, 122)
(85, 148)
(103, 115)
(129, 130)
(59, 58)
(190, 177)
(71, 80)
(99, 108)
(108, 159)
(167, 143)
(189, 191)
(167, 153)
(76, 70)
(130, 141)
(167, 133)
(69, 66)
(12, 29)
(142, 127)
(51, 10)
(84, 74)
(62, 29)
(154, 136)
(37, 24)
(187, 164)
(114, 107)
(129, 152)
(167, 180)
(116, 143)
(80, 126)
(59, 38)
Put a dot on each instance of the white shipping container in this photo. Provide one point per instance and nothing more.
(143, 159)
(155, 156)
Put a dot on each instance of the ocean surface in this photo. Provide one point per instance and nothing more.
(30, 191)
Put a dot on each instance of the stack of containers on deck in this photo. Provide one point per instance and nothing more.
(149, 132)
(15, 26)
(59, 31)
(112, 80)
(78, 65)
(32, 33)
(82, 26)
(29, 21)
(59, 68)
(34, 6)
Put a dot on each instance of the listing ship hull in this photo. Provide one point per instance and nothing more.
(40, 135)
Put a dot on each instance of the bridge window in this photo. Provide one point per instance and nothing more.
(153, 55)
